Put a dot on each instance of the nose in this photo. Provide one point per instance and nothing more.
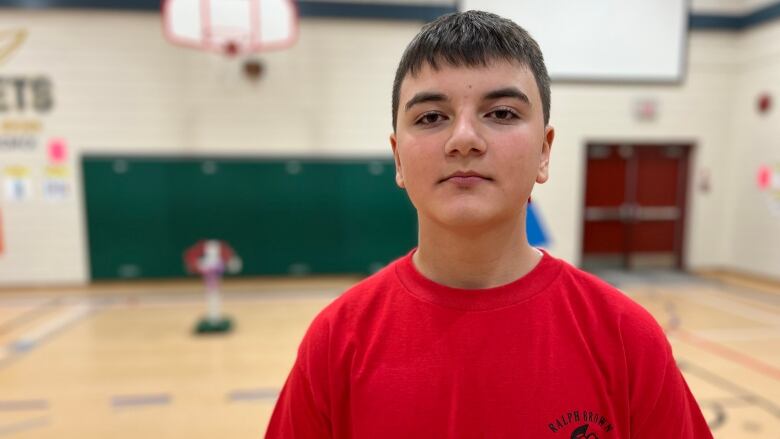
(465, 138)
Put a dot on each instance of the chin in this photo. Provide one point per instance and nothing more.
(466, 217)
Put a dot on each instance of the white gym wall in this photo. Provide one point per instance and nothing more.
(119, 87)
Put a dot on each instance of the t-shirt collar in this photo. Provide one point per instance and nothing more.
(519, 290)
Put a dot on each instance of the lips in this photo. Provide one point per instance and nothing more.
(466, 176)
(466, 180)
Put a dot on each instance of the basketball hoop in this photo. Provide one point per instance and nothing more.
(211, 256)
(211, 259)
(231, 27)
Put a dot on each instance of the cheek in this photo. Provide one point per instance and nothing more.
(418, 176)
(420, 163)
(518, 161)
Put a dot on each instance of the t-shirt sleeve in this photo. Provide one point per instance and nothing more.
(297, 415)
(673, 412)
(301, 411)
(662, 405)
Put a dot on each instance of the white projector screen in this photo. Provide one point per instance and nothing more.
(602, 40)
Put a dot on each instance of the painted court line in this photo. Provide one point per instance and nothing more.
(736, 308)
(673, 327)
(253, 394)
(758, 299)
(728, 353)
(22, 426)
(23, 405)
(140, 400)
(29, 315)
(173, 302)
(764, 296)
(29, 302)
(739, 334)
(730, 401)
(37, 336)
(720, 415)
(735, 389)
(31, 339)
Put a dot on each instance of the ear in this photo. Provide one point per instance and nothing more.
(399, 175)
(544, 163)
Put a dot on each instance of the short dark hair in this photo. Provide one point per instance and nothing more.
(472, 38)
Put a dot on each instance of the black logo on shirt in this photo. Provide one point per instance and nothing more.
(581, 432)
(587, 423)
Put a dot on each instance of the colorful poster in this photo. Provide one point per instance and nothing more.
(55, 183)
(18, 184)
(769, 183)
(57, 151)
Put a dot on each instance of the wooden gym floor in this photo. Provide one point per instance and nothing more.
(119, 361)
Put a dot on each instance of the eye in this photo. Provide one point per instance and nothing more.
(429, 119)
(503, 114)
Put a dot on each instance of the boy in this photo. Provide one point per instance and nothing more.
(475, 334)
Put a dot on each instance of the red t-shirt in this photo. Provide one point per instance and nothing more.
(555, 354)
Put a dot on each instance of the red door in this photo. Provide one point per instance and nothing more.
(634, 206)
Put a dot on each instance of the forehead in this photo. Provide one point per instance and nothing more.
(459, 80)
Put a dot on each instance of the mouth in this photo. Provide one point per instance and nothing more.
(465, 176)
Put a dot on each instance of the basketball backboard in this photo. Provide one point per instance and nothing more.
(233, 27)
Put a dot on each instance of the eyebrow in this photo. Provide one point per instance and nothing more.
(424, 96)
(507, 92)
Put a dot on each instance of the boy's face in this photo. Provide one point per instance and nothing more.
(470, 143)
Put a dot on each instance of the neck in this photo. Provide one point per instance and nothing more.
(474, 259)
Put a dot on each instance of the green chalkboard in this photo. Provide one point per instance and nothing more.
(282, 216)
